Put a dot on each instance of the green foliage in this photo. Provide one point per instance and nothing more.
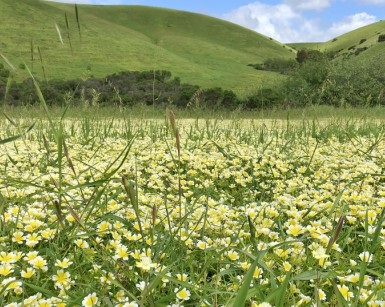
(339, 83)
(4, 73)
(121, 89)
(363, 40)
(304, 55)
(264, 98)
(381, 38)
(280, 65)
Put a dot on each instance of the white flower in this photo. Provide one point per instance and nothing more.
(366, 257)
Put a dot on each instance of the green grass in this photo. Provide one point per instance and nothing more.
(305, 45)
(148, 113)
(199, 49)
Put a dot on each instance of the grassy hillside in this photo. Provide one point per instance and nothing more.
(311, 45)
(366, 36)
(357, 45)
(199, 49)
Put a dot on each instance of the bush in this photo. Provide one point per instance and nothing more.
(265, 98)
(363, 40)
(381, 38)
(304, 55)
(354, 83)
(283, 66)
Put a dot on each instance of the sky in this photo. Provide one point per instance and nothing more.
(286, 21)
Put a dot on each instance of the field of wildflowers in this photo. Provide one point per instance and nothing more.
(116, 213)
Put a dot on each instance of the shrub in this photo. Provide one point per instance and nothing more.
(359, 50)
(265, 98)
(304, 55)
(4, 73)
(363, 40)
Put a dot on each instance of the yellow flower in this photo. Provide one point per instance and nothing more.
(182, 277)
(28, 273)
(44, 303)
(104, 226)
(233, 255)
(366, 257)
(32, 225)
(321, 295)
(18, 237)
(40, 263)
(65, 263)
(81, 243)
(183, 294)
(11, 284)
(320, 253)
(90, 300)
(62, 279)
(353, 278)
(6, 269)
(345, 292)
(32, 240)
(202, 244)
(31, 256)
(121, 252)
(295, 230)
(286, 266)
(258, 272)
(6, 257)
(48, 233)
(145, 263)
(245, 265)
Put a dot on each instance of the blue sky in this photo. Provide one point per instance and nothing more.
(283, 20)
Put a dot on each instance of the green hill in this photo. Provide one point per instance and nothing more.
(359, 44)
(365, 38)
(199, 49)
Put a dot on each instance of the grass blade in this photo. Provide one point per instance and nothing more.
(77, 20)
(241, 297)
(59, 33)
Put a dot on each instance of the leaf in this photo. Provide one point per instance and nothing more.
(282, 290)
(241, 297)
(10, 139)
(8, 62)
(39, 289)
(15, 137)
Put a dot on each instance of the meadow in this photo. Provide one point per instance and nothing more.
(138, 206)
(171, 211)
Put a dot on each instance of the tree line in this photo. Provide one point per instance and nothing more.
(320, 78)
(312, 77)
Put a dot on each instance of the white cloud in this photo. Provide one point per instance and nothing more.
(280, 22)
(373, 1)
(308, 5)
(287, 23)
(352, 22)
(270, 20)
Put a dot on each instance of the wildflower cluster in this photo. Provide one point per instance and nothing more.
(310, 210)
